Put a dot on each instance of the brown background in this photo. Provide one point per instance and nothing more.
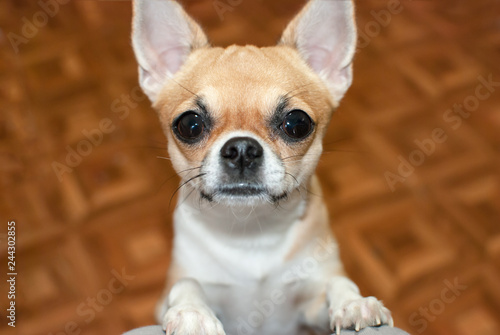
(440, 226)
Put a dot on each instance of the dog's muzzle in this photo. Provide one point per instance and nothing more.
(241, 159)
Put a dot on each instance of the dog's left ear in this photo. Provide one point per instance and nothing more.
(163, 36)
(324, 33)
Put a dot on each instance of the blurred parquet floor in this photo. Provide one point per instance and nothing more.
(93, 247)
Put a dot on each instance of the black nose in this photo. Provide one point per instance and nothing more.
(242, 154)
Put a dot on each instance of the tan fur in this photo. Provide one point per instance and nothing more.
(241, 87)
(219, 266)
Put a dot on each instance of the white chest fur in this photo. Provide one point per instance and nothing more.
(255, 266)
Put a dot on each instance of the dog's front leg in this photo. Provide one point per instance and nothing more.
(187, 311)
(347, 309)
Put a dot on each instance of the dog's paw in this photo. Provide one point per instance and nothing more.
(358, 314)
(191, 320)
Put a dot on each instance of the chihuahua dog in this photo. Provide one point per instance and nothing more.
(253, 250)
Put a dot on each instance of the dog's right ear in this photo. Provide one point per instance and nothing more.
(324, 33)
(163, 35)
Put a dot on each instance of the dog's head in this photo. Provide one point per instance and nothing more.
(245, 124)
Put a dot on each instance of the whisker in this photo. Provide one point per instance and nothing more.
(190, 169)
(187, 89)
(337, 141)
(189, 194)
(314, 194)
(294, 156)
(176, 174)
(301, 160)
(258, 221)
(344, 151)
(294, 178)
(326, 152)
(288, 96)
(163, 183)
(183, 184)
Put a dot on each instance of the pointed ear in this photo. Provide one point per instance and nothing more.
(324, 33)
(163, 36)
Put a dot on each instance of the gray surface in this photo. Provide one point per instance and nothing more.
(156, 330)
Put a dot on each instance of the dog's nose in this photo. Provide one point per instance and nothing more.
(242, 153)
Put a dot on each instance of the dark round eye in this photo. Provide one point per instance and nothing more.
(297, 124)
(189, 126)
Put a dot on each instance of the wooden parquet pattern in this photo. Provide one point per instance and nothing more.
(410, 171)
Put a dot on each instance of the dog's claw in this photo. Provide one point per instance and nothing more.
(390, 320)
(169, 331)
(191, 319)
(358, 314)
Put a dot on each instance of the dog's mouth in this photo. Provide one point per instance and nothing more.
(241, 192)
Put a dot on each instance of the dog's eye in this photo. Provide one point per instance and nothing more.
(189, 126)
(297, 124)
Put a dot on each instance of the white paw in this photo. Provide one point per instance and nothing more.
(191, 320)
(358, 314)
